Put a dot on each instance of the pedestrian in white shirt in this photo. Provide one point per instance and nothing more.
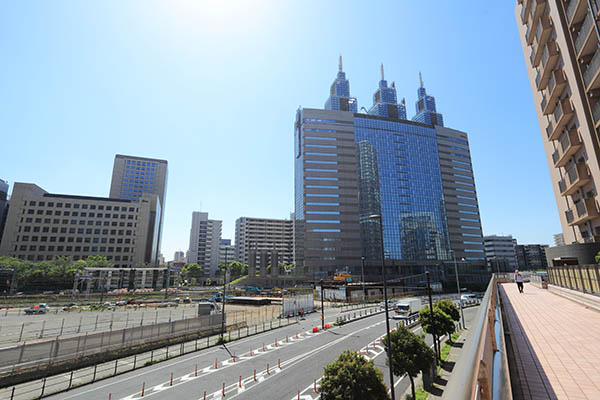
(519, 280)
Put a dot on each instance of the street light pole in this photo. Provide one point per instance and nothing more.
(363, 280)
(462, 315)
(387, 317)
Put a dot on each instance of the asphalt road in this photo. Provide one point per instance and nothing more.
(282, 370)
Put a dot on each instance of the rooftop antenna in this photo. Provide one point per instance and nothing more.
(382, 78)
(420, 79)
(340, 63)
(394, 84)
(404, 100)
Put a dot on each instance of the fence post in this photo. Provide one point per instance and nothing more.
(94, 377)
(111, 321)
(70, 380)
(116, 363)
(134, 360)
(43, 327)
(21, 334)
(61, 327)
(79, 328)
(142, 320)
(96, 323)
(127, 320)
(151, 356)
(43, 388)
(12, 393)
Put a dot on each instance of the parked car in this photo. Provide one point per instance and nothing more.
(468, 297)
(41, 308)
(70, 306)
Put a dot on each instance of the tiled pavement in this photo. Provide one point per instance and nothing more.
(556, 344)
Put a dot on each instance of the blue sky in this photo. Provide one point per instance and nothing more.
(213, 88)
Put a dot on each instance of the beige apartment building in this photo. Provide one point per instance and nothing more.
(264, 234)
(42, 225)
(560, 43)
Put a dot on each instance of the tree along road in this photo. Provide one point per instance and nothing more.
(290, 361)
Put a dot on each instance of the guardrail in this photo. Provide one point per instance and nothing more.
(583, 278)
(482, 370)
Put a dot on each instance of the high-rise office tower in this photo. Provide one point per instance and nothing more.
(417, 175)
(339, 94)
(263, 234)
(133, 177)
(560, 44)
(205, 238)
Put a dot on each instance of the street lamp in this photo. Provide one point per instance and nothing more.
(223, 298)
(462, 315)
(363, 280)
(387, 317)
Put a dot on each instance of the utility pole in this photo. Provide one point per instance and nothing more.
(435, 343)
(385, 299)
(322, 308)
(462, 315)
(223, 298)
(363, 280)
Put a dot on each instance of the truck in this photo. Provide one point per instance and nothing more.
(408, 307)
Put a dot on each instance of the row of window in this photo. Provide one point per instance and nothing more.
(77, 205)
(31, 211)
(80, 231)
(85, 249)
(40, 257)
(55, 221)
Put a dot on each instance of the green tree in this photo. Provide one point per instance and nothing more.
(236, 269)
(449, 308)
(192, 271)
(438, 324)
(352, 377)
(410, 354)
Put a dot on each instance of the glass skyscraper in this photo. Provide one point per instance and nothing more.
(416, 174)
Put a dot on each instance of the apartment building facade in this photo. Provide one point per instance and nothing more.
(560, 43)
(531, 256)
(42, 225)
(264, 234)
(501, 248)
(205, 238)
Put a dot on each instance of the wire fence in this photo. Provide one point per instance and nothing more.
(62, 382)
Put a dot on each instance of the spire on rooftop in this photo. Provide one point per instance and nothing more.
(341, 63)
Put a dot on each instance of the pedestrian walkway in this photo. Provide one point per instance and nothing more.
(556, 345)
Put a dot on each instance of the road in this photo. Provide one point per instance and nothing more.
(284, 368)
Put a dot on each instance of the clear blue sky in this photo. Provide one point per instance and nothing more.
(213, 88)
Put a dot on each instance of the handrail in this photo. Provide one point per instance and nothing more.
(482, 369)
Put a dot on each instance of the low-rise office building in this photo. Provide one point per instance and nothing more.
(41, 226)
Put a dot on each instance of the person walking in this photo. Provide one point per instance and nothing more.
(519, 280)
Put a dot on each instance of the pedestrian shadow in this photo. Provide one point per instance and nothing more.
(527, 376)
(456, 344)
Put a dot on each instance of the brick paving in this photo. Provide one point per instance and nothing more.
(556, 345)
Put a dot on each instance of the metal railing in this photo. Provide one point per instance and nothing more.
(482, 370)
(582, 278)
(592, 68)
(583, 32)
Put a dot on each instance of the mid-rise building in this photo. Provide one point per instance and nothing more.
(226, 251)
(134, 177)
(560, 41)
(531, 256)
(263, 234)
(3, 205)
(205, 238)
(42, 225)
(416, 174)
(501, 248)
(179, 256)
(559, 239)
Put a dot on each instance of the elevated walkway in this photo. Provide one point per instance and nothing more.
(555, 345)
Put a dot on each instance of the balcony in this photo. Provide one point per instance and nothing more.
(576, 177)
(556, 85)
(596, 114)
(592, 73)
(584, 33)
(569, 144)
(562, 115)
(535, 11)
(569, 216)
(543, 30)
(575, 11)
(524, 12)
(536, 54)
(549, 60)
(585, 210)
(549, 129)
